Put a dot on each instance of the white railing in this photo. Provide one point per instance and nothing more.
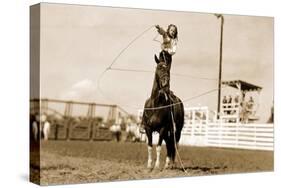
(230, 112)
(230, 135)
(201, 129)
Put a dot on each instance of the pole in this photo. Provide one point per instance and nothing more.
(220, 63)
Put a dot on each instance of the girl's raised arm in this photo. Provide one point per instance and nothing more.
(160, 30)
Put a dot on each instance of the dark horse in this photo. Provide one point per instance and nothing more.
(164, 113)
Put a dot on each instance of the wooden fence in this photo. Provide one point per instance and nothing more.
(72, 120)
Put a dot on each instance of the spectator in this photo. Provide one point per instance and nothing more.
(237, 100)
(250, 104)
(229, 102)
(224, 101)
(229, 99)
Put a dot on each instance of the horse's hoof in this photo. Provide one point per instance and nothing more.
(157, 165)
(168, 167)
(157, 170)
(173, 166)
(149, 169)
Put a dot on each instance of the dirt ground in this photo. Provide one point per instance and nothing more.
(69, 162)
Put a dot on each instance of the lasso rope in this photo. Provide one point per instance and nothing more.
(118, 69)
(119, 54)
(175, 145)
(174, 74)
(154, 108)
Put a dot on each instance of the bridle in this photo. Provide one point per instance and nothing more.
(166, 88)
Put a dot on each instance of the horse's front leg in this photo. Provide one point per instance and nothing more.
(158, 148)
(149, 148)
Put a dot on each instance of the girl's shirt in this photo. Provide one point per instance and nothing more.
(169, 44)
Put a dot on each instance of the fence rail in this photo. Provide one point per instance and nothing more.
(244, 136)
(74, 120)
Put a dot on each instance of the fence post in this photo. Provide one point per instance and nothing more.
(192, 125)
(44, 105)
(220, 132)
(91, 115)
(56, 131)
(114, 112)
(67, 113)
(207, 128)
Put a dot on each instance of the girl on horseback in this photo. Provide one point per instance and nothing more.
(169, 44)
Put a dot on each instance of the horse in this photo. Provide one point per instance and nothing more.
(163, 113)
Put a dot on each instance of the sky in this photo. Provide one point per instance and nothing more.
(78, 43)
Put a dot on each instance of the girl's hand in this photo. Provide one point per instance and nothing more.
(160, 30)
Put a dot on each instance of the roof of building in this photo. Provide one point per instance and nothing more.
(245, 86)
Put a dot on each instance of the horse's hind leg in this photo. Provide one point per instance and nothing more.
(170, 146)
(168, 157)
(169, 152)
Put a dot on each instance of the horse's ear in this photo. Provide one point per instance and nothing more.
(156, 59)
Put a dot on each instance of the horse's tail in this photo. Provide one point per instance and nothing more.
(180, 122)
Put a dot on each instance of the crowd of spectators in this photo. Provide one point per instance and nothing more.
(246, 107)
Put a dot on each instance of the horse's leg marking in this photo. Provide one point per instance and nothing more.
(158, 152)
(167, 162)
(149, 161)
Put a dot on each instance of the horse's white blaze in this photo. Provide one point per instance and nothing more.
(158, 152)
(149, 161)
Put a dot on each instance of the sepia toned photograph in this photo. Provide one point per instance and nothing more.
(129, 94)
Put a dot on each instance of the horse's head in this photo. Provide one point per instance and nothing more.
(163, 80)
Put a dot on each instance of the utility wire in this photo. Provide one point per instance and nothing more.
(148, 71)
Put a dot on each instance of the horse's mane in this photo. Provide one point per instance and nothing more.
(155, 87)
